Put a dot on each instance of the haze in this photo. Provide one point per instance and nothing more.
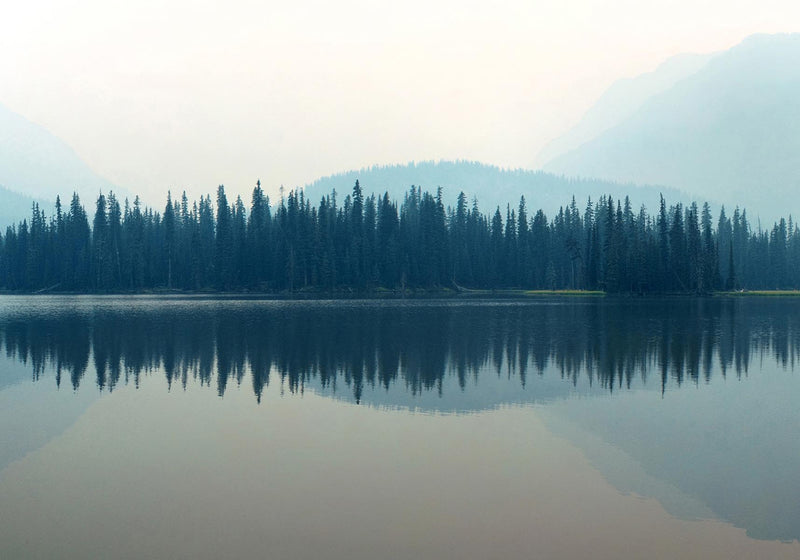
(191, 95)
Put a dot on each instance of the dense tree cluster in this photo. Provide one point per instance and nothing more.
(368, 242)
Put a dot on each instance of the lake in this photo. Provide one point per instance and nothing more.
(199, 427)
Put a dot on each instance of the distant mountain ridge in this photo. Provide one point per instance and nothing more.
(621, 100)
(491, 185)
(35, 162)
(14, 207)
(728, 132)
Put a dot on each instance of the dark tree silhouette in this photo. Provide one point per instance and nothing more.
(371, 242)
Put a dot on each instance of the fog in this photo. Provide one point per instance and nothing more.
(193, 94)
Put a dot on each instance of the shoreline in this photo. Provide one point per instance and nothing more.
(433, 293)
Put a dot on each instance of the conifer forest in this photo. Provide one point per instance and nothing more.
(360, 244)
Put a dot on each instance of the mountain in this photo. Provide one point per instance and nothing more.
(622, 100)
(36, 163)
(14, 207)
(491, 185)
(728, 132)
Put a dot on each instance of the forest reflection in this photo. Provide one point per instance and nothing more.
(348, 347)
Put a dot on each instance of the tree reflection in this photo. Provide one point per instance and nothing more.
(347, 348)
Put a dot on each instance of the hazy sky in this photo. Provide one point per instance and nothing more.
(157, 95)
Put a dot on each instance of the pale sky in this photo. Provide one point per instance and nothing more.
(159, 95)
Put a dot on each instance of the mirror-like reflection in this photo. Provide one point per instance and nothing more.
(688, 401)
(416, 345)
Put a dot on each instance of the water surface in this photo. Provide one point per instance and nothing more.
(147, 427)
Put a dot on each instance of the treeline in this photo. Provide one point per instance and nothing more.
(366, 242)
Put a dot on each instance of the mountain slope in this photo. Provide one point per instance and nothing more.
(622, 100)
(15, 207)
(35, 162)
(491, 185)
(729, 132)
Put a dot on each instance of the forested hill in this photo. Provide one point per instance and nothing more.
(360, 243)
(491, 185)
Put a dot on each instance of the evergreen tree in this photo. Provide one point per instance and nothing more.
(372, 241)
(730, 283)
(224, 257)
(169, 238)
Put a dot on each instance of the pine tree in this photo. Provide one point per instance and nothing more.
(168, 222)
(730, 283)
(223, 261)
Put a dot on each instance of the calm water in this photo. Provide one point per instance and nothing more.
(208, 428)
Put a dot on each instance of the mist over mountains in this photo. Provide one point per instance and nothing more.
(491, 185)
(727, 132)
(718, 127)
(13, 207)
(36, 164)
(620, 101)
